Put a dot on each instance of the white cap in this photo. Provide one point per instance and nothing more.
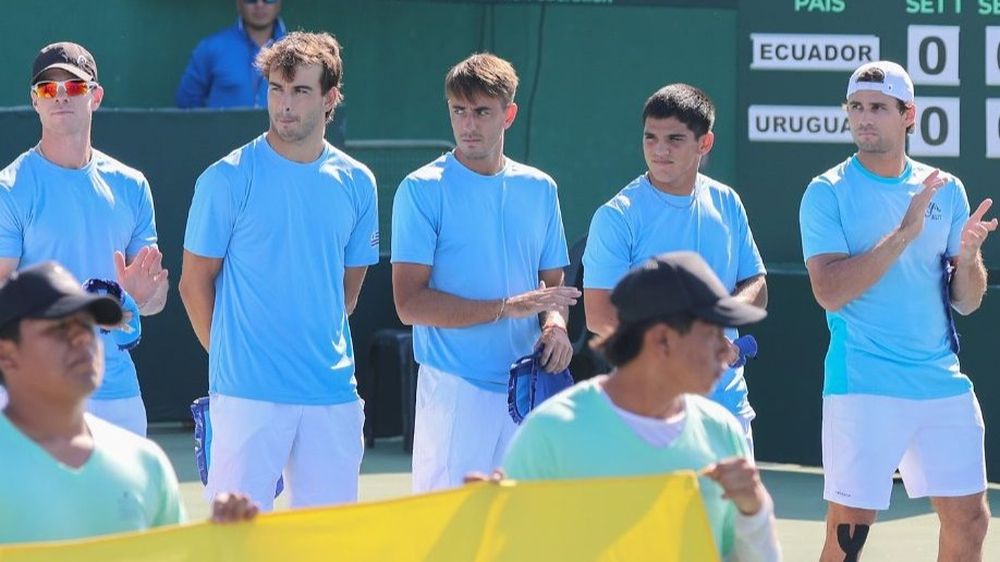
(896, 83)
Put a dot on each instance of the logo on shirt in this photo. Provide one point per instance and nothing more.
(933, 212)
(374, 239)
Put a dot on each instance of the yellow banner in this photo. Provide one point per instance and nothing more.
(623, 519)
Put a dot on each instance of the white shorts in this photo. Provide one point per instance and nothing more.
(937, 445)
(318, 448)
(126, 413)
(458, 428)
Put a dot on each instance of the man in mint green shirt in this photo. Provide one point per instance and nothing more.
(647, 417)
(67, 474)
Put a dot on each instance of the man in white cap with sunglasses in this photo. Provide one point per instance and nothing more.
(891, 251)
(64, 200)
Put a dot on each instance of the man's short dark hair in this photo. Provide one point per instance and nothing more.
(687, 104)
(301, 49)
(10, 332)
(625, 343)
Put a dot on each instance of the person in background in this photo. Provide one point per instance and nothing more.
(66, 201)
(892, 250)
(279, 237)
(221, 71)
(478, 252)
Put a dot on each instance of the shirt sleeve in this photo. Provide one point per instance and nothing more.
(212, 216)
(819, 222)
(196, 81)
(555, 253)
(414, 224)
(756, 536)
(750, 263)
(362, 247)
(607, 257)
(11, 227)
(960, 211)
(144, 233)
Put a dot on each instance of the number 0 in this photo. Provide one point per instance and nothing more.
(939, 52)
(925, 126)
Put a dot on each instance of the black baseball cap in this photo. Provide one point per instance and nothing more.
(68, 56)
(679, 282)
(47, 290)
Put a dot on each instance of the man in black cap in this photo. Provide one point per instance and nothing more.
(68, 474)
(648, 415)
(63, 200)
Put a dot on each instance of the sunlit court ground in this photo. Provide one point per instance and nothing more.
(906, 532)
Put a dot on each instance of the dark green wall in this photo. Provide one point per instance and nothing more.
(579, 121)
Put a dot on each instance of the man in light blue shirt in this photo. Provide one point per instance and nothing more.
(221, 72)
(478, 251)
(279, 237)
(64, 200)
(672, 207)
(891, 250)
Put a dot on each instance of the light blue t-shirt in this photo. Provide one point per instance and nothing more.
(896, 338)
(485, 237)
(285, 232)
(79, 218)
(642, 221)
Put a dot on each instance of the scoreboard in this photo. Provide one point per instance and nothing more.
(795, 60)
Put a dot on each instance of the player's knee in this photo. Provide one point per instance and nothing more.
(971, 524)
(976, 523)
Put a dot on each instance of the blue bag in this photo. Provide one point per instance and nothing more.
(203, 441)
(748, 350)
(529, 385)
(128, 335)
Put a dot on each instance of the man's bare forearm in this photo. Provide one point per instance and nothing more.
(753, 290)
(968, 285)
(558, 318)
(430, 307)
(199, 301)
(839, 281)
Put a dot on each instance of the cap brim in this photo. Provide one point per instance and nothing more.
(75, 71)
(106, 310)
(731, 311)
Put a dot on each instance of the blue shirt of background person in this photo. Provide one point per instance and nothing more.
(221, 71)
(672, 207)
(895, 339)
(79, 217)
(285, 232)
(642, 221)
(485, 237)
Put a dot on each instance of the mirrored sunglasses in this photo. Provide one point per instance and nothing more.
(50, 88)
